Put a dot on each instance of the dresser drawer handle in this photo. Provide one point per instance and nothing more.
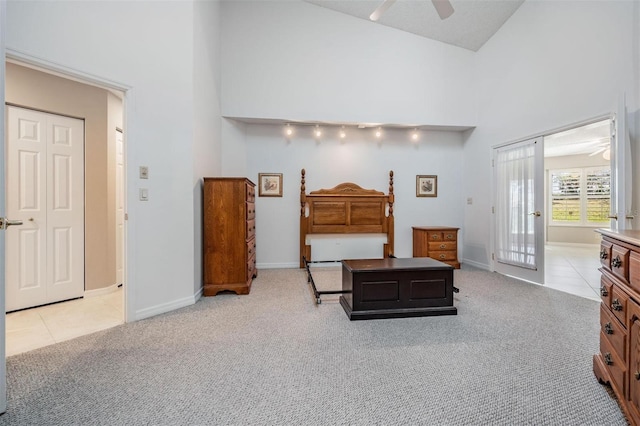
(442, 256)
(435, 237)
(637, 375)
(603, 254)
(449, 237)
(603, 291)
(443, 246)
(616, 263)
(616, 305)
(608, 329)
(607, 358)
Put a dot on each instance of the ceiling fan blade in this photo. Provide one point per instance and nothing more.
(443, 7)
(598, 151)
(386, 4)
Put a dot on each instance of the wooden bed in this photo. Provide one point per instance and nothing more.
(386, 287)
(345, 209)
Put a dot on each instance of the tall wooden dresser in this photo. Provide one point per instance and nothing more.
(437, 242)
(229, 241)
(618, 362)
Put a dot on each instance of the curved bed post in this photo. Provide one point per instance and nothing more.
(305, 250)
(389, 246)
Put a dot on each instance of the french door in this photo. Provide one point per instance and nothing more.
(518, 206)
(44, 259)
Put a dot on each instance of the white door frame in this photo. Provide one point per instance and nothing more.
(607, 116)
(3, 349)
(44, 65)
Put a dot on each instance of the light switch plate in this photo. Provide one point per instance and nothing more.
(144, 172)
(144, 194)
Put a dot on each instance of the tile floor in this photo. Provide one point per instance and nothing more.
(572, 269)
(34, 328)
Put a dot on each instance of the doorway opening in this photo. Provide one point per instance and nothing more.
(102, 300)
(577, 195)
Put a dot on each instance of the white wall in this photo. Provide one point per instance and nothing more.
(551, 64)
(359, 159)
(295, 60)
(148, 46)
(207, 123)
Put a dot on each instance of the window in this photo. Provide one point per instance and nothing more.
(580, 197)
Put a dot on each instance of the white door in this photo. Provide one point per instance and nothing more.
(45, 190)
(621, 181)
(518, 205)
(119, 207)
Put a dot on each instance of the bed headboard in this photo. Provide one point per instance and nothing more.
(345, 209)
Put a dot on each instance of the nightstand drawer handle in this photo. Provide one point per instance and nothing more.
(616, 305)
(616, 263)
(637, 375)
(608, 329)
(603, 291)
(607, 358)
(443, 246)
(603, 254)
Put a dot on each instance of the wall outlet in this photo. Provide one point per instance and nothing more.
(144, 172)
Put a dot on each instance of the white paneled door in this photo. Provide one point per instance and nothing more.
(45, 190)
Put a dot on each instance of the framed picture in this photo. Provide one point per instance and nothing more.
(426, 186)
(270, 184)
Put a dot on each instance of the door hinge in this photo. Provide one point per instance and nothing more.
(493, 256)
(126, 216)
(493, 209)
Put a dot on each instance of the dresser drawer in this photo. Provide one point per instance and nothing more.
(251, 229)
(251, 211)
(605, 290)
(443, 245)
(620, 262)
(634, 271)
(619, 304)
(605, 254)
(251, 193)
(251, 248)
(443, 255)
(434, 236)
(617, 368)
(614, 332)
(251, 268)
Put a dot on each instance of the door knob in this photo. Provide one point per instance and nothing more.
(5, 223)
(536, 213)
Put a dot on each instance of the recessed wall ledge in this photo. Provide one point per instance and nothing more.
(350, 124)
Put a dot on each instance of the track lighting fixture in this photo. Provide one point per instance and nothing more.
(379, 132)
(317, 131)
(415, 135)
(288, 130)
(342, 133)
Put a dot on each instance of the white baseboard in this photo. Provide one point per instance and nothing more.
(288, 265)
(476, 264)
(101, 291)
(167, 307)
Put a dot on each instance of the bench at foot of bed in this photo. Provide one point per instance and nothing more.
(396, 288)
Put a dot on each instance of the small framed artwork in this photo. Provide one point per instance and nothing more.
(426, 186)
(270, 184)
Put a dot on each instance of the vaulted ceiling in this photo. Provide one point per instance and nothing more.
(473, 21)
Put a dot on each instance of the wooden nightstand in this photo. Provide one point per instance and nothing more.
(437, 242)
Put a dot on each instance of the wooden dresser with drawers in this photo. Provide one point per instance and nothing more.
(229, 241)
(437, 242)
(618, 362)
